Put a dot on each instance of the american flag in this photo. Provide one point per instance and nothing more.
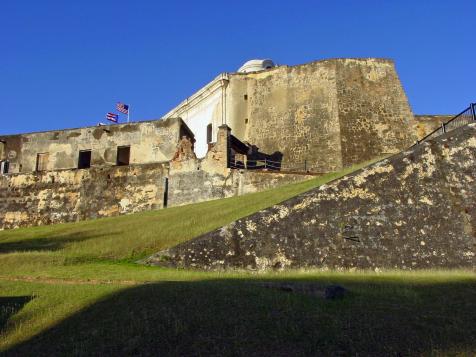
(123, 108)
(112, 117)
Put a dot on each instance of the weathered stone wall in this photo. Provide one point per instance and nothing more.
(291, 110)
(152, 141)
(70, 195)
(374, 115)
(194, 180)
(59, 196)
(255, 181)
(414, 210)
(330, 113)
(198, 185)
(425, 124)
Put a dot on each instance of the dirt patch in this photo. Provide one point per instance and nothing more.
(56, 281)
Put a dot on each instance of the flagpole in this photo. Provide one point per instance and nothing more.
(128, 112)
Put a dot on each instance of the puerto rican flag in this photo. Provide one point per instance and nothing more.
(123, 108)
(112, 117)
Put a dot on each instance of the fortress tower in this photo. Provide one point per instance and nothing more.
(330, 113)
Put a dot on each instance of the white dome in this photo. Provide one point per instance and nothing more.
(256, 65)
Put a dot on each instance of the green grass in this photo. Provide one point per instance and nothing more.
(73, 289)
(131, 237)
(391, 313)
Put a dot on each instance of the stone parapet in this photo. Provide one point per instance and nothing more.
(71, 195)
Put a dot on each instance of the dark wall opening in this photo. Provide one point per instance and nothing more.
(42, 161)
(4, 166)
(209, 133)
(84, 159)
(166, 191)
(123, 155)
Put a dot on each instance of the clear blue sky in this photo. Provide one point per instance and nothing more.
(66, 63)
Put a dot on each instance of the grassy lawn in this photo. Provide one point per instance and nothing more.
(229, 314)
(73, 289)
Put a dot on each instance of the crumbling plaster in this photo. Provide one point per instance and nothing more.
(152, 141)
(69, 195)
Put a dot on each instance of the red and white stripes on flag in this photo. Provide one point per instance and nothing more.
(123, 108)
(112, 117)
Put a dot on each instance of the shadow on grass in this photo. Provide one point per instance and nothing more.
(239, 317)
(10, 305)
(51, 243)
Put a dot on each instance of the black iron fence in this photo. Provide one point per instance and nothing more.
(271, 165)
(467, 116)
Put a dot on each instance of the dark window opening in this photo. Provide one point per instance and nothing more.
(209, 133)
(42, 161)
(123, 155)
(246, 120)
(84, 159)
(4, 166)
(166, 191)
(245, 96)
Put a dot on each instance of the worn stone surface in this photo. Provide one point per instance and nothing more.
(71, 195)
(374, 116)
(291, 110)
(199, 185)
(331, 113)
(152, 141)
(414, 210)
(195, 180)
(425, 124)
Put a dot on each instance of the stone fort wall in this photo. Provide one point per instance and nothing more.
(150, 141)
(331, 113)
(415, 210)
(59, 196)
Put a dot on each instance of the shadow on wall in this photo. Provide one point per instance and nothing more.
(53, 243)
(238, 317)
(244, 155)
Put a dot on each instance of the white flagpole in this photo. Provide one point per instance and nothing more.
(128, 112)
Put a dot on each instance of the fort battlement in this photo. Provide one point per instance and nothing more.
(313, 118)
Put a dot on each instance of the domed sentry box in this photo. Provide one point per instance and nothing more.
(256, 65)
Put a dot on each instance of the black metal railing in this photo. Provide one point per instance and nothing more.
(271, 165)
(467, 116)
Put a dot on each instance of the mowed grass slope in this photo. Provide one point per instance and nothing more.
(73, 289)
(131, 237)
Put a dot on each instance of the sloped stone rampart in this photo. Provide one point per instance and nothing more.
(415, 210)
